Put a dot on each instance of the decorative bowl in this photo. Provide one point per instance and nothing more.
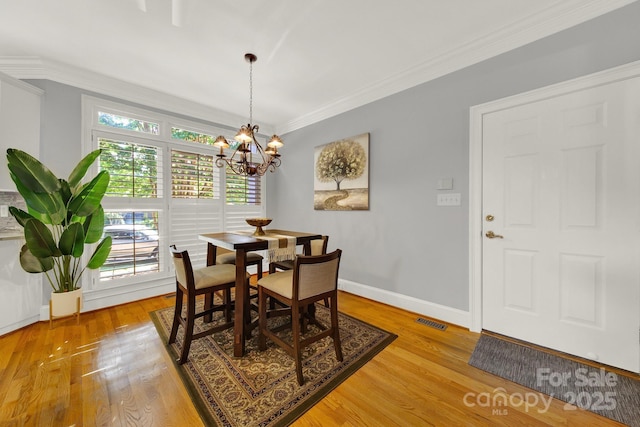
(258, 223)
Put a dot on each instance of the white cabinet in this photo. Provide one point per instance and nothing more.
(20, 292)
(19, 122)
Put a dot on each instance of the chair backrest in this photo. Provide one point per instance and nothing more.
(319, 246)
(183, 267)
(315, 274)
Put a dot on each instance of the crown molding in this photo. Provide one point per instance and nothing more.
(563, 15)
(46, 69)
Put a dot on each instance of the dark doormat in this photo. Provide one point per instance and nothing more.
(597, 389)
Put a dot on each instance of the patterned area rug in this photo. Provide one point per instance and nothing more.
(261, 389)
(598, 390)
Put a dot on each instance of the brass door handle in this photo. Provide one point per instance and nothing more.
(490, 234)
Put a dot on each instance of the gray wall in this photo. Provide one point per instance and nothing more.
(405, 243)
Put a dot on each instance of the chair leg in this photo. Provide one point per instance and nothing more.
(228, 307)
(262, 319)
(188, 333)
(336, 330)
(176, 315)
(297, 353)
(208, 304)
(259, 266)
(304, 316)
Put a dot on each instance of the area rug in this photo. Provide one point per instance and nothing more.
(604, 392)
(261, 389)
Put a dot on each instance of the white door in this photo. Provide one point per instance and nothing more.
(561, 191)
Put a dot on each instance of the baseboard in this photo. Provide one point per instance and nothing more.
(98, 299)
(95, 300)
(21, 324)
(425, 308)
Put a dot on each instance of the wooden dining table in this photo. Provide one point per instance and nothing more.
(241, 244)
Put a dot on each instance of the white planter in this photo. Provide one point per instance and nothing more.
(65, 304)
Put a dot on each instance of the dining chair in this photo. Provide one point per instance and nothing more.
(202, 281)
(313, 278)
(318, 247)
(229, 257)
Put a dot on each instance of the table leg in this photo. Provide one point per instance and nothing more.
(211, 254)
(208, 298)
(241, 304)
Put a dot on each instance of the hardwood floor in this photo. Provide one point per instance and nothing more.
(112, 370)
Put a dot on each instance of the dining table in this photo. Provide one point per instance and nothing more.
(241, 243)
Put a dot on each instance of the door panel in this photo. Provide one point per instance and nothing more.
(560, 193)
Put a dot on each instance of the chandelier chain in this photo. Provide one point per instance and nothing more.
(250, 92)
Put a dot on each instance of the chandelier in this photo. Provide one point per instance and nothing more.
(249, 158)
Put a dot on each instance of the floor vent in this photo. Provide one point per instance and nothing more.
(432, 324)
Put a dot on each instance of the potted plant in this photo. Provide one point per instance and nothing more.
(63, 216)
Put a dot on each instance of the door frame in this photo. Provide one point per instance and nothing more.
(477, 112)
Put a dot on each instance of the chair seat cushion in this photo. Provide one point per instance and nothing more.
(214, 275)
(230, 258)
(280, 283)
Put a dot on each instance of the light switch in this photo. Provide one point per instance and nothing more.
(4, 210)
(449, 199)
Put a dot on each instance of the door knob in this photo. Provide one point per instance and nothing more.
(490, 234)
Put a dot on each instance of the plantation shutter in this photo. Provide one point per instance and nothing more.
(135, 169)
(244, 200)
(195, 207)
(192, 175)
(243, 190)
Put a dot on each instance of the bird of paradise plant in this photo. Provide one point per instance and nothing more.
(62, 217)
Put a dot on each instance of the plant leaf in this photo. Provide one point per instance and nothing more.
(94, 226)
(31, 264)
(65, 191)
(49, 204)
(89, 198)
(40, 240)
(20, 215)
(81, 168)
(72, 240)
(44, 218)
(100, 254)
(30, 172)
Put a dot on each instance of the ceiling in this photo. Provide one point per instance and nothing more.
(316, 58)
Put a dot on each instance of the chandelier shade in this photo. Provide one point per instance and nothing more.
(249, 158)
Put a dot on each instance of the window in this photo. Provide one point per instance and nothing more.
(135, 169)
(136, 173)
(116, 121)
(135, 245)
(192, 136)
(165, 189)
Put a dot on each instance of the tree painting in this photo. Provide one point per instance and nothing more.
(341, 174)
(340, 160)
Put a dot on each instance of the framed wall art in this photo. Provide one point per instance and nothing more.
(341, 175)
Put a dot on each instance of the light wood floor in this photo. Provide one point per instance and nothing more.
(112, 370)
